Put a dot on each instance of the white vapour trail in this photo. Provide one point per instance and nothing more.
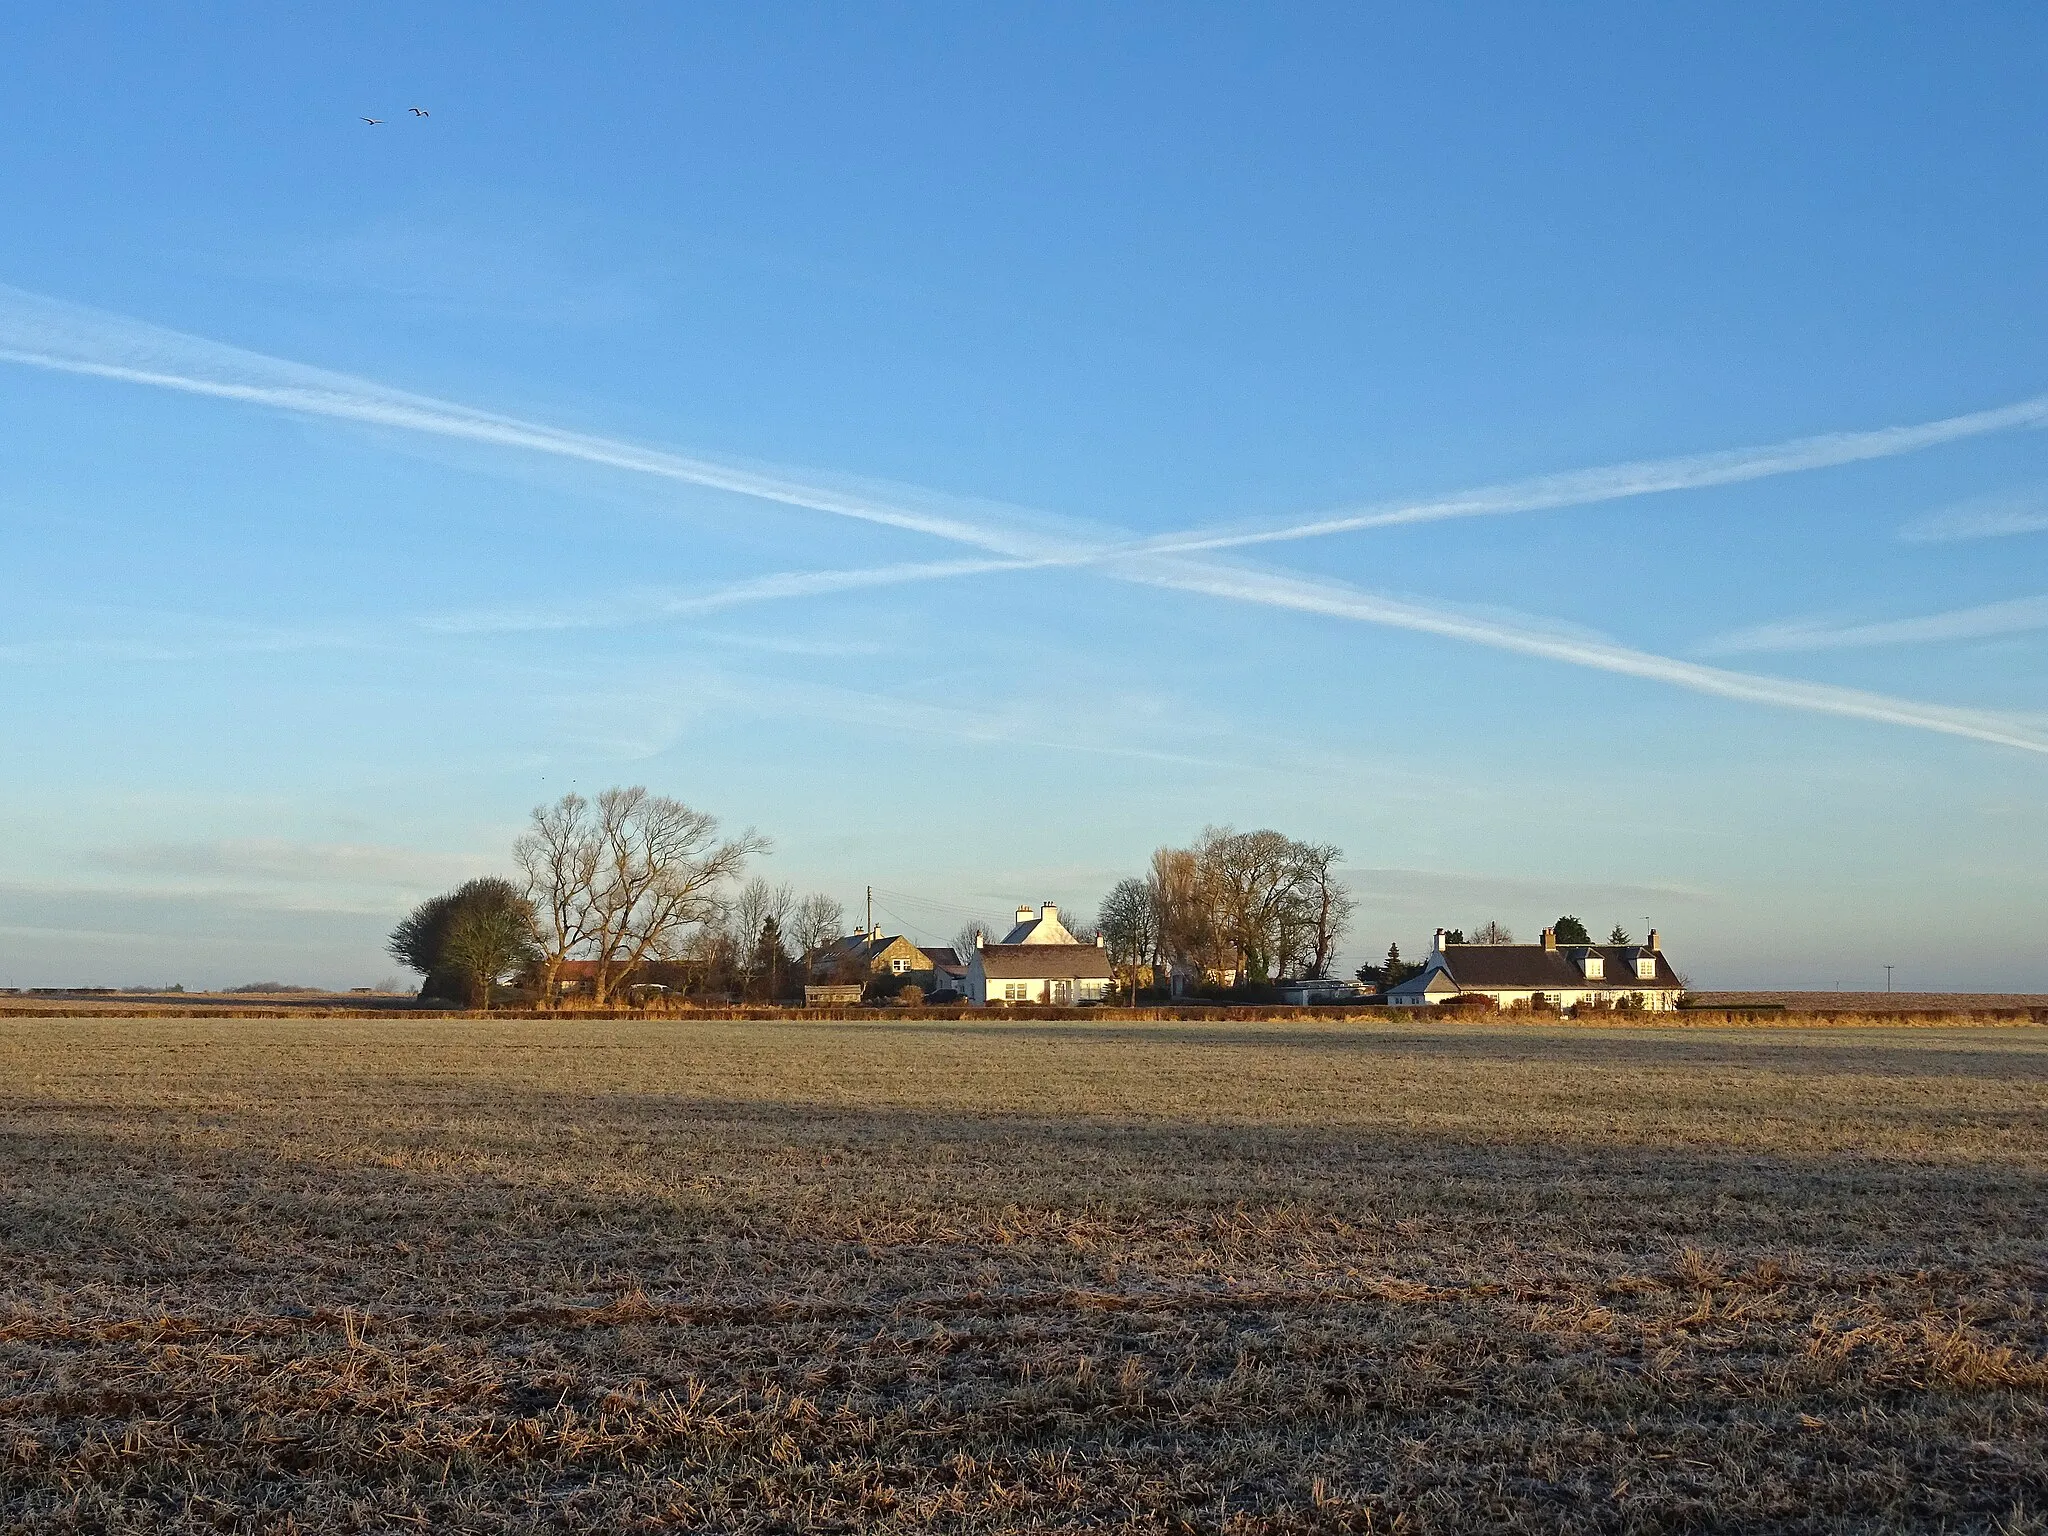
(45, 333)
(1335, 601)
(1618, 482)
(2020, 615)
(645, 607)
(1982, 517)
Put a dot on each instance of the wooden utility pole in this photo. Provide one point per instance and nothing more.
(871, 909)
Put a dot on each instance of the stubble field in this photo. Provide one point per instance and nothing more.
(365, 1275)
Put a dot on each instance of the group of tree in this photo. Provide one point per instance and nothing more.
(1258, 906)
(626, 888)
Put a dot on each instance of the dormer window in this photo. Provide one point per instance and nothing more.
(1593, 965)
(1646, 968)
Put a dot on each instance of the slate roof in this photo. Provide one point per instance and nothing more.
(1554, 970)
(945, 959)
(1044, 962)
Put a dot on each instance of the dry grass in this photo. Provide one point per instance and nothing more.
(348, 1275)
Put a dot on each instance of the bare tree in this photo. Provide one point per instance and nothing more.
(815, 923)
(660, 872)
(1253, 878)
(1188, 925)
(558, 854)
(757, 904)
(963, 941)
(1491, 932)
(1327, 901)
(1130, 927)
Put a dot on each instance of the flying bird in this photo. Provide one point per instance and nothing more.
(373, 121)
(419, 111)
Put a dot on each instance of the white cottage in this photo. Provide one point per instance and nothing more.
(1546, 975)
(1039, 961)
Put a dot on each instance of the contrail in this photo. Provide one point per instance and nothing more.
(1647, 477)
(1336, 601)
(45, 333)
(48, 334)
(2020, 615)
(1982, 517)
(641, 607)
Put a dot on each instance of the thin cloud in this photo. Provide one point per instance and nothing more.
(46, 333)
(2021, 615)
(280, 861)
(1981, 517)
(644, 607)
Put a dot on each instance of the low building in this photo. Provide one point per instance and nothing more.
(1323, 989)
(949, 971)
(1545, 975)
(872, 953)
(1039, 961)
(832, 996)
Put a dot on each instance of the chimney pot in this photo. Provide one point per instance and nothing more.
(1550, 938)
(1651, 943)
(1023, 914)
(1047, 909)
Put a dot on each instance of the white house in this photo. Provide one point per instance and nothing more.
(1546, 974)
(1039, 961)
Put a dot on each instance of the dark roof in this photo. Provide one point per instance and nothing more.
(945, 958)
(1045, 962)
(1552, 970)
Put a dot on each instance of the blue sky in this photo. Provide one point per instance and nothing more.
(362, 486)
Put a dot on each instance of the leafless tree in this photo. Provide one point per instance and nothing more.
(813, 925)
(757, 903)
(1130, 927)
(1327, 903)
(1254, 879)
(558, 854)
(1188, 928)
(1491, 932)
(661, 872)
(963, 941)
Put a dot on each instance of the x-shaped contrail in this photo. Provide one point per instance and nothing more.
(48, 333)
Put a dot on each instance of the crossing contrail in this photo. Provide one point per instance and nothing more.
(2016, 616)
(1335, 600)
(46, 333)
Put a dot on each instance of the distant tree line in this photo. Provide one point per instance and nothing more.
(1252, 907)
(621, 890)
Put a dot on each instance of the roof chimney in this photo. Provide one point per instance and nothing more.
(1023, 914)
(979, 940)
(1050, 912)
(1101, 942)
(1651, 943)
(1550, 938)
(1438, 947)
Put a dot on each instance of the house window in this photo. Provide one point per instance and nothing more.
(899, 966)
(1646, 970)
(1015, 992)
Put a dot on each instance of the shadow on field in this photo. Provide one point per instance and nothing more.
(520, 1180)
(2017, 1052)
